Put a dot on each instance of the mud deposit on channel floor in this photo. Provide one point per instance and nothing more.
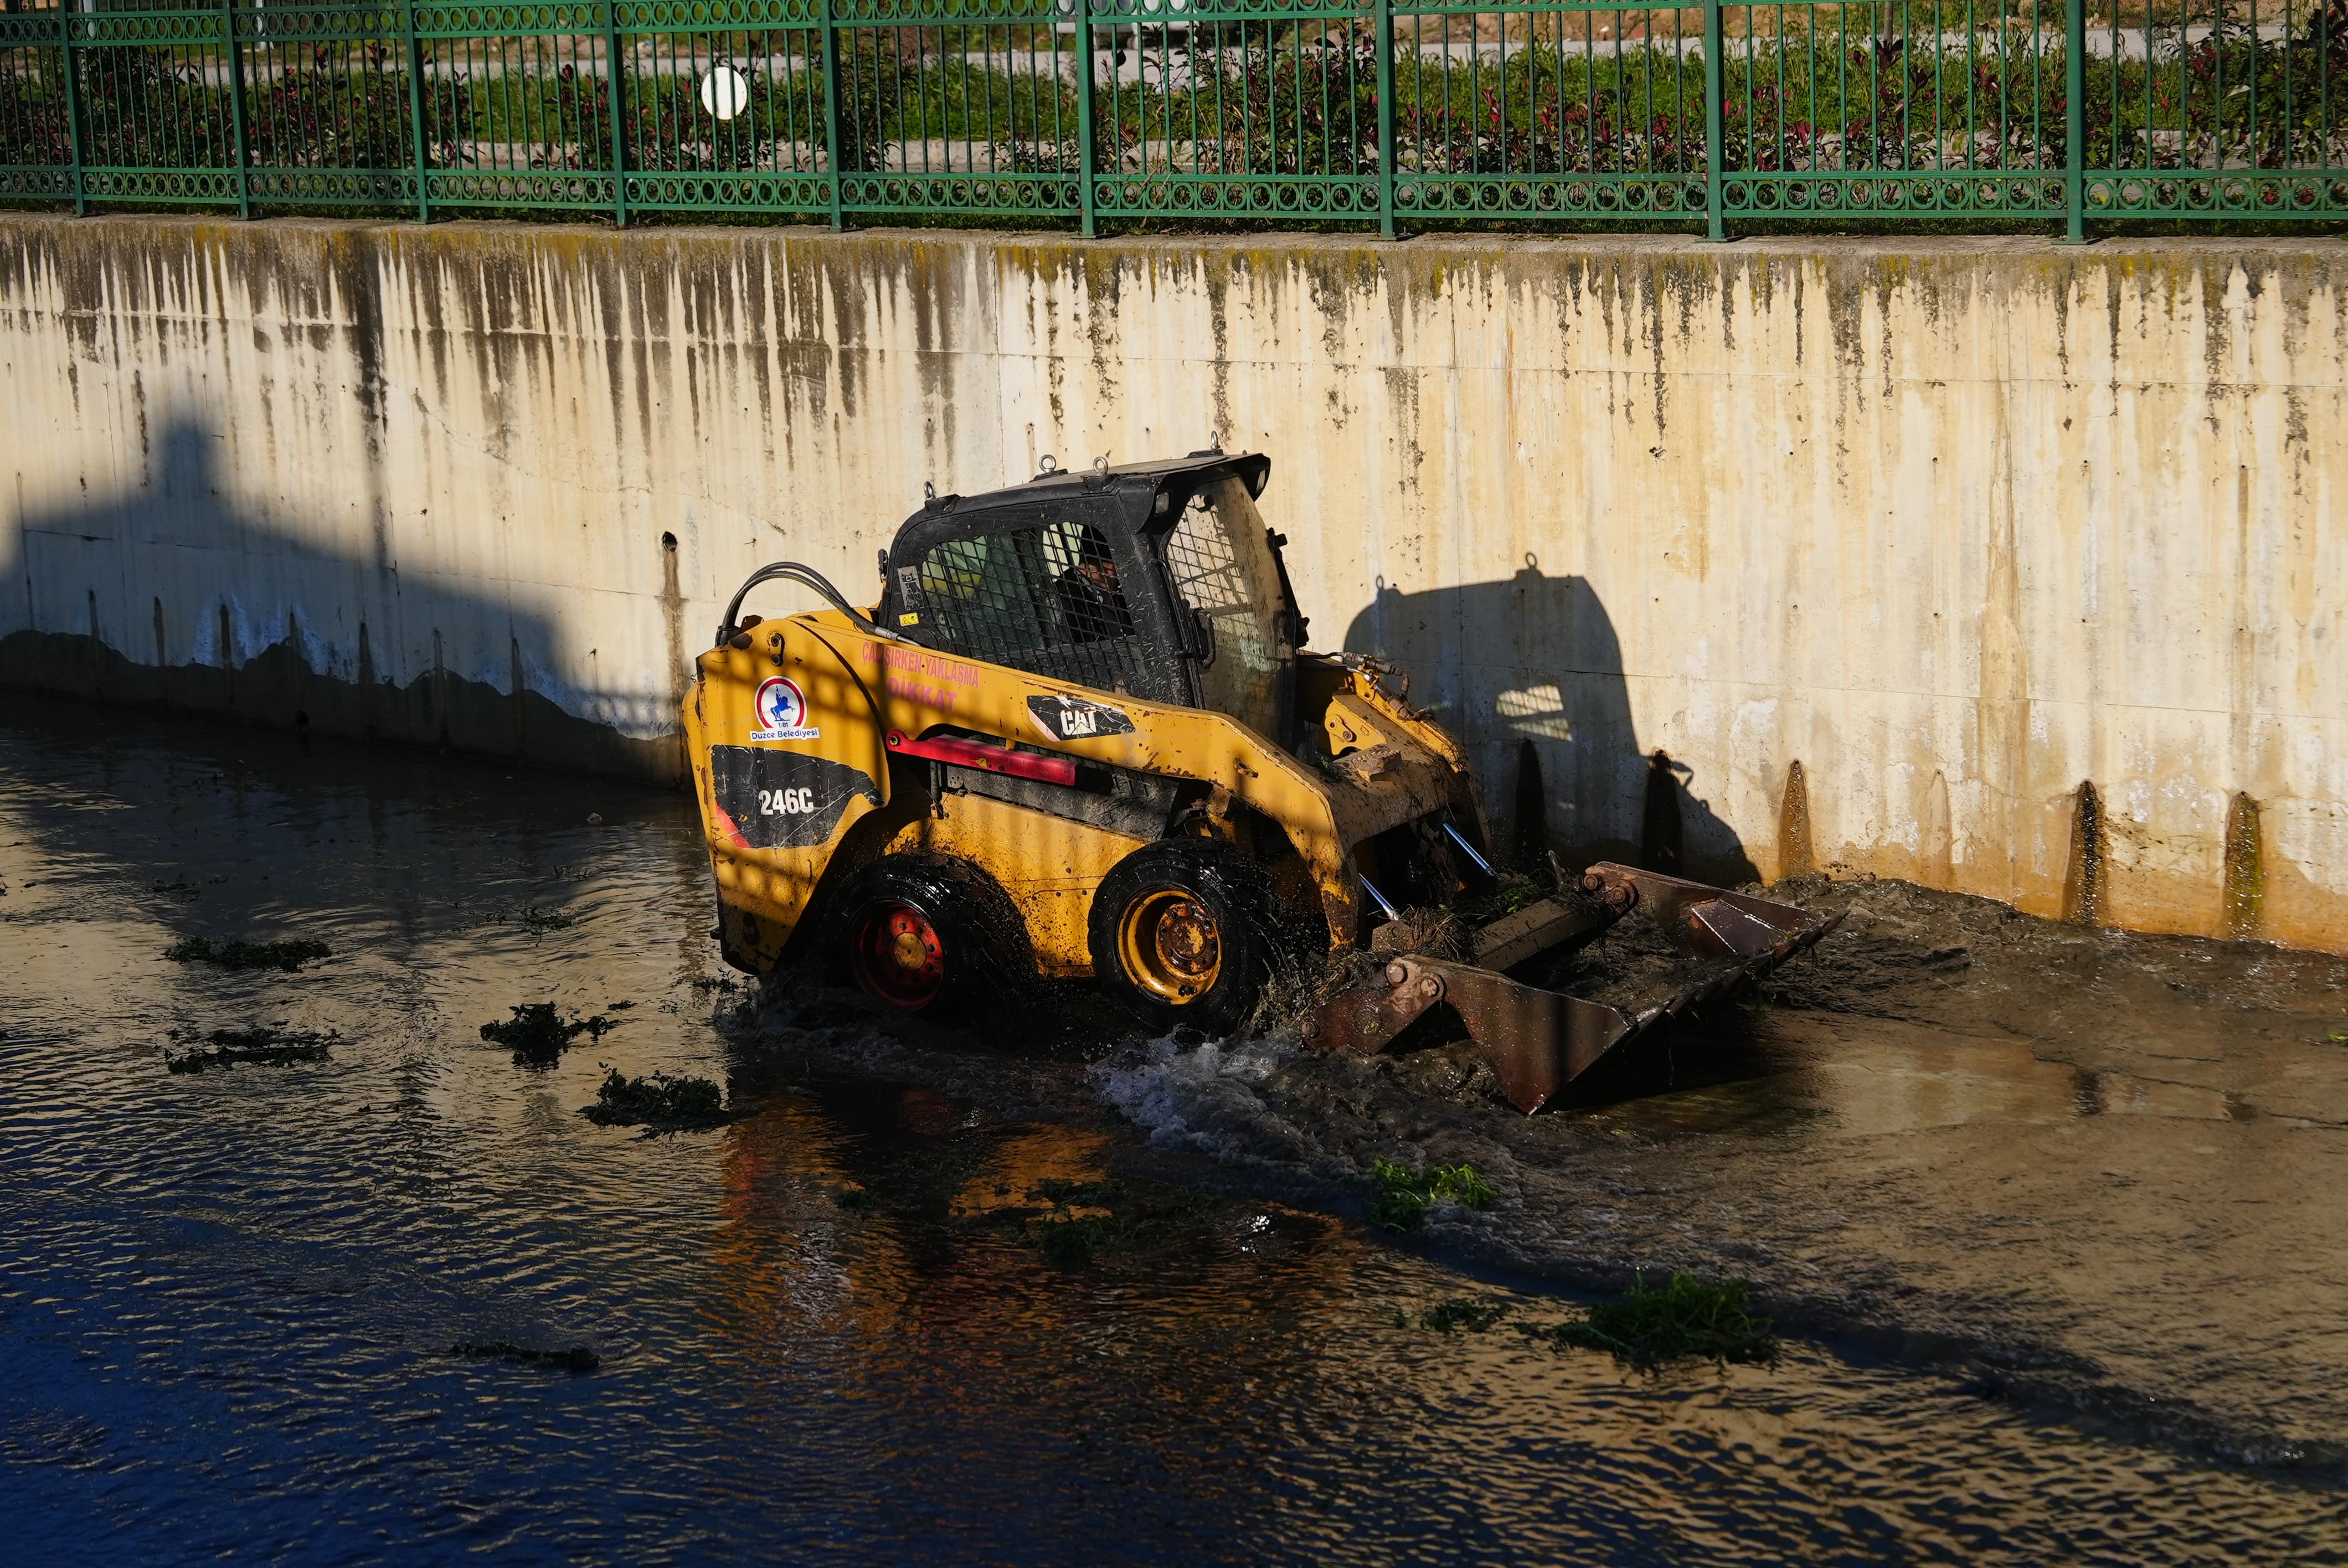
(1113, 1300)
(2096, 1166)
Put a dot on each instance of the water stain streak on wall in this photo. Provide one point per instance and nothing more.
(1959, 526)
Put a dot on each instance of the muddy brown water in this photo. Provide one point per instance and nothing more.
(2051, 1216)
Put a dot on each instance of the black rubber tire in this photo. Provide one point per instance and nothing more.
(988, 962)
(1231, 889)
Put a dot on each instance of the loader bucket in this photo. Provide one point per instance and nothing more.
(1540, 1040)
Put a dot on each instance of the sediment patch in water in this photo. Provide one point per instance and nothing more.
(286, 956)
(575, 1358)
(262, 1045)
(1080, 1220)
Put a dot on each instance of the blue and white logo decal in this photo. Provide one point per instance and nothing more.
(782, 713)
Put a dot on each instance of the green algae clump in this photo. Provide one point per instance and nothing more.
(664, 1102)
(1471, 1312)
(537, 1034)
(1404, 1195)
(1689, 1317)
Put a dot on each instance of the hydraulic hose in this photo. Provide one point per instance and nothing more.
(806, 577)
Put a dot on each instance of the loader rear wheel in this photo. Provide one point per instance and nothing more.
(926, 934)
(1179, 934)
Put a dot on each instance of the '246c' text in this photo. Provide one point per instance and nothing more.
(786, 802)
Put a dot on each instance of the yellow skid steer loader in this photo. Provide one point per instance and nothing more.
(1079, 736)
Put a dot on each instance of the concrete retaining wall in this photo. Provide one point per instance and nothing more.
(1956, 526)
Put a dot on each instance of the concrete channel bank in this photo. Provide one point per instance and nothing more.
(1958, 526)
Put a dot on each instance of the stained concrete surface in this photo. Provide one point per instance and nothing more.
(2030, 556)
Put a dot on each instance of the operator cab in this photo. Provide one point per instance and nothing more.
(1158, 580)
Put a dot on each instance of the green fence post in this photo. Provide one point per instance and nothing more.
(2074, 117)
(73, 108)
(612, 94)
(236, 108)
(1386, 120)
(416, 109)
(831, 112)
(1085, 111)
(1715, 134)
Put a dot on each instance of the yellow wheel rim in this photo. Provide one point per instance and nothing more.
(1170, 946)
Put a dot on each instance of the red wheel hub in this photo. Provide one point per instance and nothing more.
(897, 957)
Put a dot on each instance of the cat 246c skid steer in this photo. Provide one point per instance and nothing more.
(1079, 734)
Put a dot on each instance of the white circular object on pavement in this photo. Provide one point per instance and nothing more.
(725, 92)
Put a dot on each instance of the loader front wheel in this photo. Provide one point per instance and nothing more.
(1178, 934)
(926, 934)
(896, 956)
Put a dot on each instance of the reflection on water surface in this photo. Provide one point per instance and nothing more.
(227, 1297)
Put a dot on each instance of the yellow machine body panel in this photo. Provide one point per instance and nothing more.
(779, 797)
(780, 800)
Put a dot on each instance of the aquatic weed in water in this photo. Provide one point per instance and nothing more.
(537, 1034)
(1686, 1317)
(575, 1359)
(1472, 1313)
(288, 957)
(1404, 1195)
(257, 1047)
(664, 1101)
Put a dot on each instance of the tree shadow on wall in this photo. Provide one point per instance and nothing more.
(1527, 674)
(173, 593)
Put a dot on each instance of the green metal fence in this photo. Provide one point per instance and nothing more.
(1385, 112)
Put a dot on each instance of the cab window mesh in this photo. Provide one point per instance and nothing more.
(1045, 599)
(1211, 578)
(1204, 566)
(1220, 565)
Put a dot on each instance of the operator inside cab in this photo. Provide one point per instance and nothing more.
(1092, 603)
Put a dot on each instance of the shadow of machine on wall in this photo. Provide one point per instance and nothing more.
(154, 595)
(1527, 674)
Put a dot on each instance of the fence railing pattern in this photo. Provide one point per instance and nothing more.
(1369, 111)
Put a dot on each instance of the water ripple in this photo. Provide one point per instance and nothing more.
(228, 1299)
